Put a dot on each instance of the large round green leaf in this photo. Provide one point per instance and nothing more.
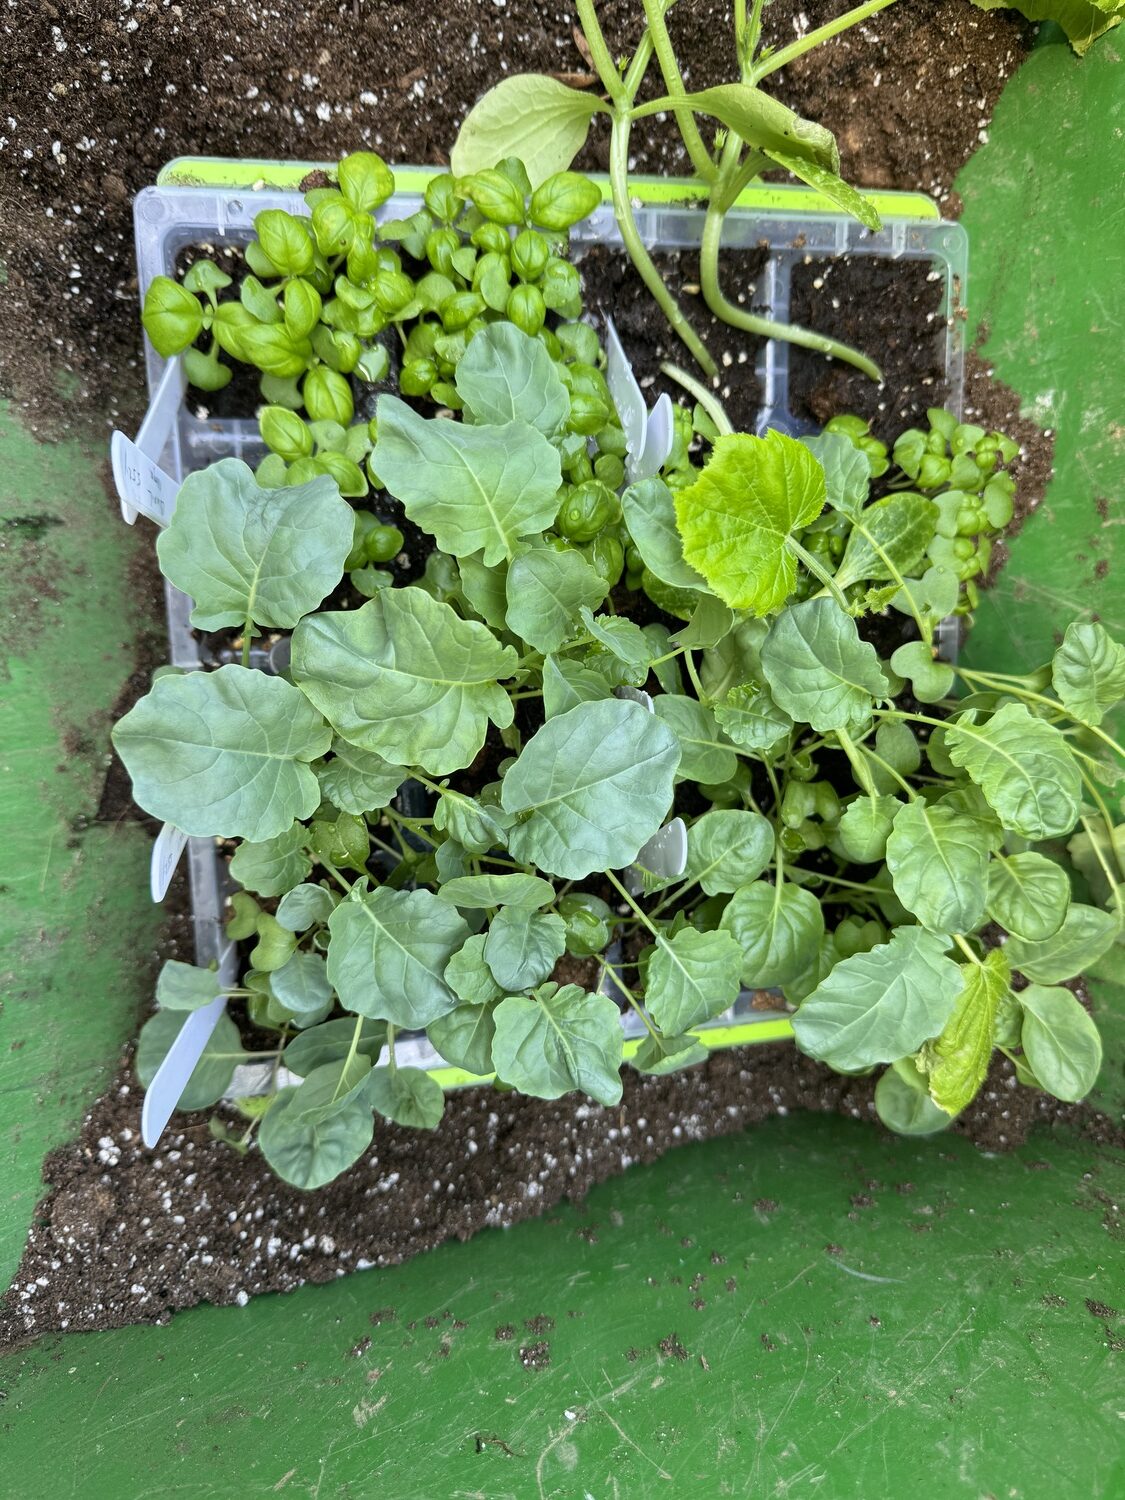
(903, 1103)
(650, 515)
(406, 677)
(355, 780)
(476, 489)
(938, 859)
(464, 1037)
(1028, 894)
(224, 753)
(560, 1040)
(1061, 1041)
(387, 955)
(309, 1150)
(1085, 934)
(506, 376)
(706, 754)
(1088, 671)
(522, 946)
(275, 865)
(728, 849)
(546, 587)
(247, 553)
(692, 977)
(778, 928)
(880, 1006)
(865, 826)
(1023, 766)
(819, 670)
(481, 891)
(592, 786)
(408, 1096)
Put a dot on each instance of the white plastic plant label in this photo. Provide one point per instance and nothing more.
(163, 1093)
(648, 435)
(635, 695)
(143, 487)
(170, 844)
(665, 854)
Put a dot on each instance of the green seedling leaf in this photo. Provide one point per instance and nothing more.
(464, 1036)
(406, 677)
(301, 985)
(212, 1075)
(172, 317)
(224, 754)
(484, 588)
(650, 514)
(305, 906)
(832, 187)
(865, 826)
(331, 1042)
(888, 539)
(561, 1039)
(274, 946)
(705, 752)
(1085, 934)
(477, 827)
(778, 928)
(737, 516)
(938, 859)
(668, 1054)
(767, 124)
(931, 679)
(591, 787)
(468, 975)
(847, 471)
(274, 866)
(388, 952)
(957, 1062)
(475, 489)
(481, 891)
(365, 180)
(522, 947)
(818, 669)
(691, 977)
(185, 987)
(934, 595)
(1060, 1041)
(357, 781)
(309, 1150)
(567, 683)
(562, 200)
(1029, 895)
(626, 640)
(879, 1006)
(406, 1096)
(546, 588)
(505, 376)
(750, 717)
(536, 118)
(1088, 672)
(728, 849)
(711, 623)
(903, 1103)
(1023, 766)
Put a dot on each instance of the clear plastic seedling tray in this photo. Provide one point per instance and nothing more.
(213, 202)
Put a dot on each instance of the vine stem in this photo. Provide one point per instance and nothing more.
(706, 398)
(818, 571)
(638, 254)
(632, 999)
(600, 53)
(627, 898)
(674, 83)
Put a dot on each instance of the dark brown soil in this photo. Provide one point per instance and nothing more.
(128, 1235)
(613, 289)
(98, 97)
(891, 311)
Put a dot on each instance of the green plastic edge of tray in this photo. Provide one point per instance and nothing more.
(252, 174)
(715, 1039)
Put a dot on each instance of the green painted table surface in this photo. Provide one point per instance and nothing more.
(807, 1309)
